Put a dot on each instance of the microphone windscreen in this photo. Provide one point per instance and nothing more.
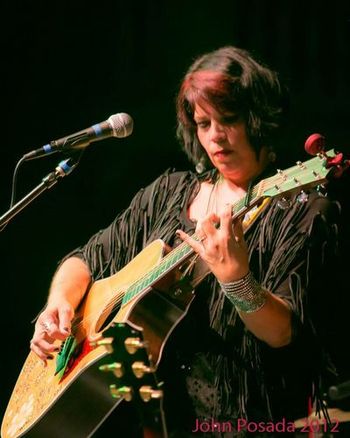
(122, 125)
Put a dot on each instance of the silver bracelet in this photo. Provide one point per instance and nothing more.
(245, 294)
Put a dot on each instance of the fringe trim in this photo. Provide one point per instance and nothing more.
(280, 250)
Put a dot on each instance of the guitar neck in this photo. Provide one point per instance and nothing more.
(294, 179)
(184, 251)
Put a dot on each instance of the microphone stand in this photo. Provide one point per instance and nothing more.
(64, 168)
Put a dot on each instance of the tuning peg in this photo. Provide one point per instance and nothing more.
(282, 174)
(107, 342)
(303, 197)
(147, 393)
(133, 344)
(116, 367)
(315, 144)
(140, 369)
(283, 203)
(124, 392)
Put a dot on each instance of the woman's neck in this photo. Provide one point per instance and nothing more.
(236, 187)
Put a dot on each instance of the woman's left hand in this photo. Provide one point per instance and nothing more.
(221, 246)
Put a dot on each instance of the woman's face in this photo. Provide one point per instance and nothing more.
(224, 138)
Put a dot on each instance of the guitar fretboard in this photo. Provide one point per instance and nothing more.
(301, 175)
(183, 252)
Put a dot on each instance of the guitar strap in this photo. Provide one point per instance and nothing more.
(251, 216)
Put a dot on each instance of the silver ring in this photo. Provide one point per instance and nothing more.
(201, 239)
(46, 325)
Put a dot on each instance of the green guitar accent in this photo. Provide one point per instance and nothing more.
(64, 355)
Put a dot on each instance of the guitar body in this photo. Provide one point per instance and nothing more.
(42, 402)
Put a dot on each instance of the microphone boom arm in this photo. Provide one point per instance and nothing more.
(64, 168)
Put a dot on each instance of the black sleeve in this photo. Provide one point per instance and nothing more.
(153, 213)
(303, 269)
(294, 248)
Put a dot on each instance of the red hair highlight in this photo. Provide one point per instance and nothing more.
(206, 86)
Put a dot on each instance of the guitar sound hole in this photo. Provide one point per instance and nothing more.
(105, 319)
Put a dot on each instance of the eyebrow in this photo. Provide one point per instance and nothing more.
(198, 118)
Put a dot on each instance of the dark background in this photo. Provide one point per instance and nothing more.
(68, 65)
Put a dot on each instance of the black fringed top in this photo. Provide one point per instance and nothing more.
(213, 368)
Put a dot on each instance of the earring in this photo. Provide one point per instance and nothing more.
(200, 166)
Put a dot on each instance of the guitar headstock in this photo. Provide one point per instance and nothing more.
(304, 175)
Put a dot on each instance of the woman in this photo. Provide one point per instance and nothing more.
(229, 359)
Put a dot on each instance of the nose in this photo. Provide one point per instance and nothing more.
(217, 132)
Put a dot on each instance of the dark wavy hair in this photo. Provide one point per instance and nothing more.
(230, 80)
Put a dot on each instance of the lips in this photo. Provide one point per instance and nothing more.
(221, 154)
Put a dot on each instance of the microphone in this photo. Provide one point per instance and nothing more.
(118, 125)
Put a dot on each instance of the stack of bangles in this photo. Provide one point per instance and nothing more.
(245, 294)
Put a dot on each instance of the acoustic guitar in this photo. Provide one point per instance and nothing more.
(150, 295)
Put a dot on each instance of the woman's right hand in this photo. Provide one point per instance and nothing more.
(54, 323)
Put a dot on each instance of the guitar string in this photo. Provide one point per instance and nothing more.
(118, 297)
(183, 247)
(119, 294)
